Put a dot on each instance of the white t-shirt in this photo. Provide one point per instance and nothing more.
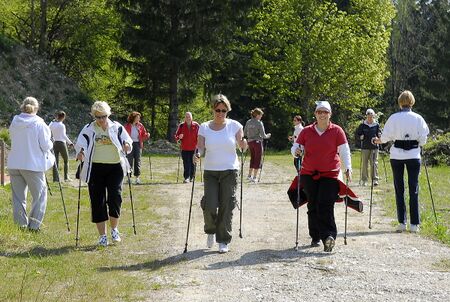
(297, 129)
(59, 132)
(220, 146)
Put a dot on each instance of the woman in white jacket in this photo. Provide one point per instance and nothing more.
(102, 145)
(29, 158)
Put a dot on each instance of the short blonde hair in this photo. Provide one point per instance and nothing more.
(29, 105)
(406, 99)
(220, 99)
(101, 107)
(257, 111)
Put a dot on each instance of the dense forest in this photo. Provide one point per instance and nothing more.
(164, 57)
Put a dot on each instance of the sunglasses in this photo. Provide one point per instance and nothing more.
(321, 112)
(221, 110)
(100, 117)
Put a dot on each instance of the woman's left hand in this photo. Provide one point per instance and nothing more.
(348, 175)
(126, 148)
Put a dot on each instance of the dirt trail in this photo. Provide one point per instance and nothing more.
(376, 265)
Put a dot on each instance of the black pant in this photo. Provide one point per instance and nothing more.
(105, 191)
(188, 164)
(321, 194)
(134, 158)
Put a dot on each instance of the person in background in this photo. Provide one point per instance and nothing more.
(217, 140)
(298, 127)
(138, 134)
(60, 141)
(102, 146)
(255, 134)
(29, 158)
(322, 143)
(366, 132)
(408, 130)
(187, 133)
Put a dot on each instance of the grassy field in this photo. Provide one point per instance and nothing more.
(47, 266)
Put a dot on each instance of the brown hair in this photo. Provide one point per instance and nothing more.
(60, 115)
(298, 118)
(132, 116)
(257, 111)
(220, 99)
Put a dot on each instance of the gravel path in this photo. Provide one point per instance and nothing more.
(376, 265)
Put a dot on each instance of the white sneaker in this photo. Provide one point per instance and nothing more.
(401, 228)
(223, 248)
(115, 235)
(210, 240)
(249, 178)
(138, 181)
(414, 228)
(103, 241)
(186, 180)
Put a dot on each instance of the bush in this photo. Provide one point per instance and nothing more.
(437, 150)
(4, 136)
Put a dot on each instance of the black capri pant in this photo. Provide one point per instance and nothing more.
(105, 191)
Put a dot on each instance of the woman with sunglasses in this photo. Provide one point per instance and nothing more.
(321, 144)
(217, 140)
(102, 146)
(255, 134)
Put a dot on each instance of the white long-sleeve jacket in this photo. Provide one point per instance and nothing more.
(31, 144)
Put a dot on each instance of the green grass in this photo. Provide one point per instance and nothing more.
(440, 186)
(47, 264)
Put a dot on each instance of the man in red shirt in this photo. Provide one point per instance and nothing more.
(187, 132)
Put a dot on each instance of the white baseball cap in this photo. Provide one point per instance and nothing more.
(370, 111)
(324, 105)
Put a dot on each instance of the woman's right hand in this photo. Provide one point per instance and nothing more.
(298, 152)
(196, 158)
(80, 156)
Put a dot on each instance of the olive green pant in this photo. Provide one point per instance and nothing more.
(218, 203)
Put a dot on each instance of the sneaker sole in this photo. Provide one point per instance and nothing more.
(329, 245)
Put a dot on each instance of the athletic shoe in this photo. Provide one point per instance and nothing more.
(315, 243)
(223, 248)
(138, 181)
(328, 244)
(210, 240)
(401, 228)
(68, 179)
(375, 183)
(103, 240)
(414, 228)
(249, 178)
(186, 180)
(115, 235)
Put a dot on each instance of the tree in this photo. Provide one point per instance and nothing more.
(172, 43)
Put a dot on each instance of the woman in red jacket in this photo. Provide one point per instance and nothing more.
(187, 133)
(138, 134)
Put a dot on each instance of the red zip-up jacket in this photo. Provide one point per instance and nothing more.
(143, 134)
(189, 141)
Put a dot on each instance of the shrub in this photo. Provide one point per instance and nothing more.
(437, 150)
(4, 136)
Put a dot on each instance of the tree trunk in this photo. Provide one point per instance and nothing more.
(173, 102)
(43, 30)
(33, 25)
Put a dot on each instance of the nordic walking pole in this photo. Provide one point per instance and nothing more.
(131, 200)
(384, 165)
(178, 169)
(201, 172)
(62, 196)
(346, 207)
(264, 155)
(429, 187)
(299, 167)
(371, 190)
(77, 239)
(360, 163)
(190, 206)
(150, 165)
(240, 203)
(48, 186)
